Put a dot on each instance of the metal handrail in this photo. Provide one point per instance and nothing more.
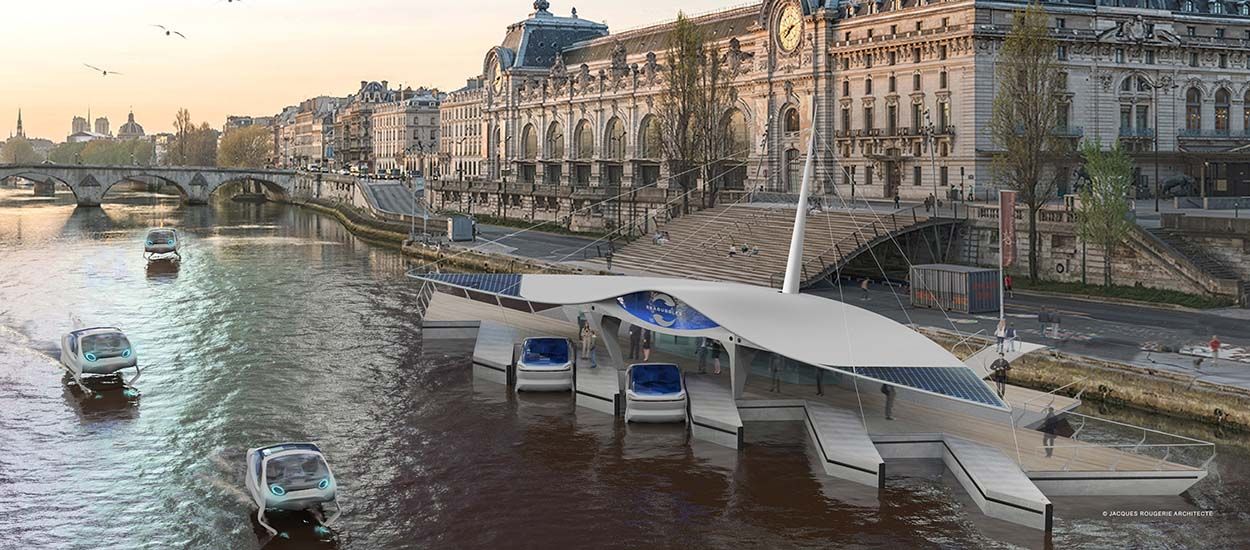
(1052, 393)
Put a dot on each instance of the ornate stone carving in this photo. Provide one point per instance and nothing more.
(650, 69)
(738, 61)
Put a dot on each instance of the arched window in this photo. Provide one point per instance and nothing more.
(1245, 112)
(1221, 110)
(792, 170)
(584, 141)
(529, 143)
(737, 144)
(868, 85)
(614, 140)
(1193, 109)
(649, 138)
(1217, 8)
(555, 141)
(791, 120)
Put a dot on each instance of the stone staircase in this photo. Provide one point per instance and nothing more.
(699, 242)
(1200, 258)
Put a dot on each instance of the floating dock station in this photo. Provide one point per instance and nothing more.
(803, 358)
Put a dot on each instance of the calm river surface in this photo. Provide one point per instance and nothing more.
(279, 326)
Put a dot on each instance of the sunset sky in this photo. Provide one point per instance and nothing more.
(251, 56)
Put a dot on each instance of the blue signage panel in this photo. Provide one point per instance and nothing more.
(662, 310)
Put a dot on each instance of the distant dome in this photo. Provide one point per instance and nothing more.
(131, 129)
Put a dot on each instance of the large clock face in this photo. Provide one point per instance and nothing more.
(790, 28)
(497, 81)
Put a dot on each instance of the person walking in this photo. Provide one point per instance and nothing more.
(889, 391)
(896, 200)
(999, 369)
(775, 363)
(1000, 334)
(635, 341)
(714, 349)
(1049, 426)
(609, 259)
(1215, 349)
(1011, 337)
(1043, 317)
(647, 341)
(587, 338)
(1006, 284)
(1054, 323)
(863, 286)
(701, 352)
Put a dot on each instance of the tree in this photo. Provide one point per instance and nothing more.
(248, 147)
(679, 106)
(183, 128)
(18, 151)
(1103, 214)
(1024, 117)
(692, 112)
(67, 153)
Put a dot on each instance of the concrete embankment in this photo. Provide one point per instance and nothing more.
(395, 235)
(1150, 390)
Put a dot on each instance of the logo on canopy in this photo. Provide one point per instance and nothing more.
(662, 310)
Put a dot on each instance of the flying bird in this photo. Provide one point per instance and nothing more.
(169, 31)
(101, 71)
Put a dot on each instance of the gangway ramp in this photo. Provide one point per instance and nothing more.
(598, 388)
(713, 412)
(494, 353)
(844, 446)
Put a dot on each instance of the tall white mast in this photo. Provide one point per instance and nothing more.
(794, 264)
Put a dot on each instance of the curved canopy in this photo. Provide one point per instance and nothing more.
(806, 328)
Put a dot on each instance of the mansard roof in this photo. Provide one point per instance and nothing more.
(723, 24)
(535, 41)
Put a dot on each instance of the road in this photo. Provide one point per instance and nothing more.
(534, 244)
(1110, 331)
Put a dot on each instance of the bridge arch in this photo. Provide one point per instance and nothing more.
(32, 174)
(269, 184)
(133, 177)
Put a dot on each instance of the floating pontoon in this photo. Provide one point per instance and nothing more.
(546, 364)
(161, 244)
(290, 477)
(99, 352)
(654, 392)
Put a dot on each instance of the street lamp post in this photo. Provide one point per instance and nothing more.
(1164, 81)
(931, 140)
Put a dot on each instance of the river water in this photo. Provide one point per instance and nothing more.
(279, 325)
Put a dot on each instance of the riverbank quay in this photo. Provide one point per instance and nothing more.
(1152, 390)
(447, 256)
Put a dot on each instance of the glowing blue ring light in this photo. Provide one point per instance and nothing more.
(150, 242)
(324, 483)
(170, 242)
(89, 356)
(277, 490)
(126, 353)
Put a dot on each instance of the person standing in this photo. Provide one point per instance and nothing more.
(701, 351)
(1215, 349)
(1054, 323)
(647, 338)
(820, 377)
(863, 286)
(714, 349)
(775, 364)
(889, 391)
(1049, 427)
(896, 200)
(1000, 334)
(1006, 285)
(1043, 317)
(635, 341)
(609, 259)
(587, 338)
(999, 369)
(1011, 337)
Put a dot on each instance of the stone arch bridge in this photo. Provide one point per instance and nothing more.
(90, 183)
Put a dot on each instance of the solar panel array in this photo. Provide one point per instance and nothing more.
(503, 284)
(957, 382)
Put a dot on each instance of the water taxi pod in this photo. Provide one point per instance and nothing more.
(290, 477)
(546, 364)
(655, 392)
(99, 352)
(161, 243)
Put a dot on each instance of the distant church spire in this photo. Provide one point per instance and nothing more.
(20, 133)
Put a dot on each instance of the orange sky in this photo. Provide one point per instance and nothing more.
(250, 56)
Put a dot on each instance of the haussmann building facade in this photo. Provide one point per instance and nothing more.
(904, 91)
